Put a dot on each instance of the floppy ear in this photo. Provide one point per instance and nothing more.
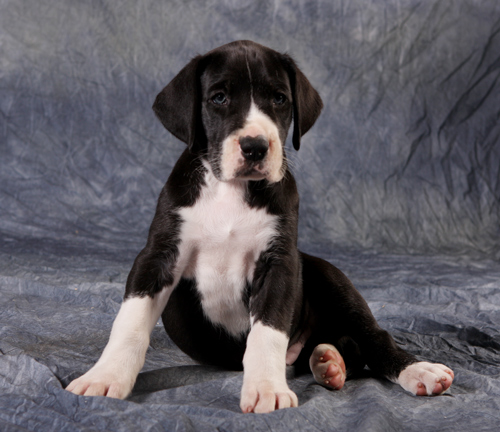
(307, 103)
(178, 106)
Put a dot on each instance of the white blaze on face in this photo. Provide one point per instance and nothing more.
(232, 160)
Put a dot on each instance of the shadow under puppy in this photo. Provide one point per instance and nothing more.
(221, 264)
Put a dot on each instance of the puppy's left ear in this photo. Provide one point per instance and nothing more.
(178, 106)
(307, 103)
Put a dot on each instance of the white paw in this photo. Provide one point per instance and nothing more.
(103, 380)
(266, 396)
(426, 379)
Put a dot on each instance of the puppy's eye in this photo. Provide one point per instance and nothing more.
(279, 99)
(219, 99)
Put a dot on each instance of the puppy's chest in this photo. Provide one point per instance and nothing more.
(222, 238)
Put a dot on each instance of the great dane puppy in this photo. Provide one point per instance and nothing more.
(221, 264)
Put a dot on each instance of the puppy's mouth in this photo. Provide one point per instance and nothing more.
(252, 171)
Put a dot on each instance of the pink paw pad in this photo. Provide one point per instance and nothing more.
(328, 367)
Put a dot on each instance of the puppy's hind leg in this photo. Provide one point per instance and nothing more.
(340, 309)
(115, 373)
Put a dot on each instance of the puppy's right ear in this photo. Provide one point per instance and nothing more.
(178, 106)
(307, 103)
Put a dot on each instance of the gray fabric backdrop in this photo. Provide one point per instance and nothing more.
(399, 179)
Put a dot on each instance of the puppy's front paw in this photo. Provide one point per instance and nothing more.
(426, 379)
(266, 396)
(103, 381)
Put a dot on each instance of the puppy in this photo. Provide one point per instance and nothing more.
(221, 264)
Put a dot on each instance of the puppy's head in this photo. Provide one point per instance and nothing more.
(234, 106)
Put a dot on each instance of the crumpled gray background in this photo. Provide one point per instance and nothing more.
(399, 179)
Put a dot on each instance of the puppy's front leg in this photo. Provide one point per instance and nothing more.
(115, 373)
(264, 363)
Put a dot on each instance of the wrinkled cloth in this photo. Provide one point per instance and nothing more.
(399, 182)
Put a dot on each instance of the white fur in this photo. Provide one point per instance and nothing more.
(429, 374)
(115, 373)
(222, 237)
(257, 123)
(264, 380)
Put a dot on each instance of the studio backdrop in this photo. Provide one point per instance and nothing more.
(399, 182)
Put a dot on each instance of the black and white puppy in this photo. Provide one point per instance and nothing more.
(221, 265)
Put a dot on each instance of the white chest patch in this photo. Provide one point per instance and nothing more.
(222, 237)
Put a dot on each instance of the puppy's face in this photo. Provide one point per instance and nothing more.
(234, 106)
(246, 113)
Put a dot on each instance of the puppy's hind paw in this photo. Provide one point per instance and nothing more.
(426, 379)
(328, 367)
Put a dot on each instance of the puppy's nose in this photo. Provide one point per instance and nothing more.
(254, 148)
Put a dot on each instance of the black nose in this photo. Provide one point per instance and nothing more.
(254, 148)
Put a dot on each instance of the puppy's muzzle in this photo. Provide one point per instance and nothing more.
(254, 149)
